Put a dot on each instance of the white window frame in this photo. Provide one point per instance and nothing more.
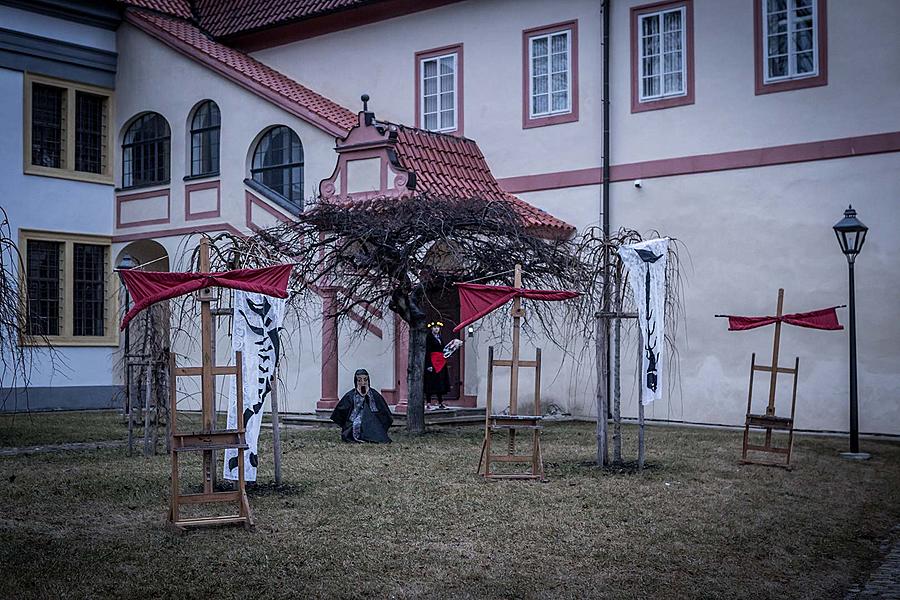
(422, 95)
(550, 112)
(642, 97)
(791, 13)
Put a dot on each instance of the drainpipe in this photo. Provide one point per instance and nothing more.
(603, 324)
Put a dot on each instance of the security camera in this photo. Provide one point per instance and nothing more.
(638, 183)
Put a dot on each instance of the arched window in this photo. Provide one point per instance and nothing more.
(278, 163)
(145, 151)
(205, 128)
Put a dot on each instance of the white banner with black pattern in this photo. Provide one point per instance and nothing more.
(254, 332)
(646, 264)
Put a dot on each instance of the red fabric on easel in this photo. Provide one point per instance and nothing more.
(824, 318)
(149, 287)
(476, 300)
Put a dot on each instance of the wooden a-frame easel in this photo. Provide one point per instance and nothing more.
(513, 421)
(770, 421)
(209, 438)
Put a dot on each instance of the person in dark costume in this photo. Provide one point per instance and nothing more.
(362, 413)
(436, 377)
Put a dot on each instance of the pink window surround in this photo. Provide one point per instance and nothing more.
(189, 215)
(250, 200)
(796, 83)
(120, 200)
(688, 98)
(527, 120)
(426, 54)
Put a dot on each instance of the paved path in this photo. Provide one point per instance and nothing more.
(4, 452)
(884, 582)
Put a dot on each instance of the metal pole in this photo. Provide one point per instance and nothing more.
(854, 409)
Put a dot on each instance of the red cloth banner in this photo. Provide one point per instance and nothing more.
(824, 318)
(476, 300)
(149, 287)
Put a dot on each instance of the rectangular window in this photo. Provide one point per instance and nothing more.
(48, 106)
(72, 299)
(662, 57)
(439, 93)
(790, 39)
(88, 287)
(67, 130)
(89, 132)
(44, 282)
(551, 75)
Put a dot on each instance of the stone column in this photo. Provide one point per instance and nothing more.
(329, 397)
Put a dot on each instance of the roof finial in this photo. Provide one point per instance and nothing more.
(365, 101)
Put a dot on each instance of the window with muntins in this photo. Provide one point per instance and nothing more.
(71, 298)
(662, 64)
(67, 131)
(44, 278)
(550, 74)
(48, 108)
(88, 289)
(205, 129)
(439, 92)
(146, 152)
(790, 39)
(278, 164)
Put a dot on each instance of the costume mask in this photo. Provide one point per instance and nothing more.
(362, 382)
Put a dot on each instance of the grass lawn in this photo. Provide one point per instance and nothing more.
(411, 520)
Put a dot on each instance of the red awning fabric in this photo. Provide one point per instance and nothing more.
(824, 318)
(476, 300)
(149, 287)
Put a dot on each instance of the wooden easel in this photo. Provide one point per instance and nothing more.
(208, 439)
(770, 421)
(513, 421)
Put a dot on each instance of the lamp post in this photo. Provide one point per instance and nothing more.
(127, 262)
(851, 235)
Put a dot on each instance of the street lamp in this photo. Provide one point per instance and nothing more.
(127, 262)
(851, 235)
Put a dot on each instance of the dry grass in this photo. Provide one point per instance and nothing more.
(411, 520)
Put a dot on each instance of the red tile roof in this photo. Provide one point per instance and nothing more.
(450, 165)
(227, 17)
(246, 71)
(178, 8)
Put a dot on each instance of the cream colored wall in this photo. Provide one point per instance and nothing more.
(379, 59)
(745, 234)
(153, 77)
(861, 96)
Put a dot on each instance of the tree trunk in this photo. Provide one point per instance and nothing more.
(602, 396)
(415, 412)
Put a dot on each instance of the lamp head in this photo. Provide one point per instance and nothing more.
(851, 234)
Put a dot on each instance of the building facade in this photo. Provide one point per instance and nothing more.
(742, 129)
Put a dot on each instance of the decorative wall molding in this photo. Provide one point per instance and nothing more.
(251, 200)
(878, 143)
(189, 189)
(124, 199)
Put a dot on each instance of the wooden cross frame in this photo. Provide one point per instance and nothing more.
(770, 421)
(209, 439)
(513, 421)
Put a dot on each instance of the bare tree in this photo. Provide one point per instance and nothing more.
(400, 253)
(19, 346)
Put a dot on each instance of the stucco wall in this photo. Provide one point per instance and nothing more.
(60, 205)
(745, 234)
(379, 59)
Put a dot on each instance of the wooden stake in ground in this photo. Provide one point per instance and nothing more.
(276, 428)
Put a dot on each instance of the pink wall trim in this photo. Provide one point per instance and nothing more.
(196, 187)
(460, 92)
(241, 80)
(122, 199)
(569, 117)
(329, 397)
(163, 233)
(703, 163)
(636, 11)
(337, 21)
(250, 200)
(368, 326)
(790, 84)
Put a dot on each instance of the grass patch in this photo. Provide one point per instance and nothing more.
(45, 428)
(411, 520)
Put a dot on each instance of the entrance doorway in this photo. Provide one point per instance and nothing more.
(444, 307)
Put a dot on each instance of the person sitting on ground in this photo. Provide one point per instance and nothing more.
(362, 413)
